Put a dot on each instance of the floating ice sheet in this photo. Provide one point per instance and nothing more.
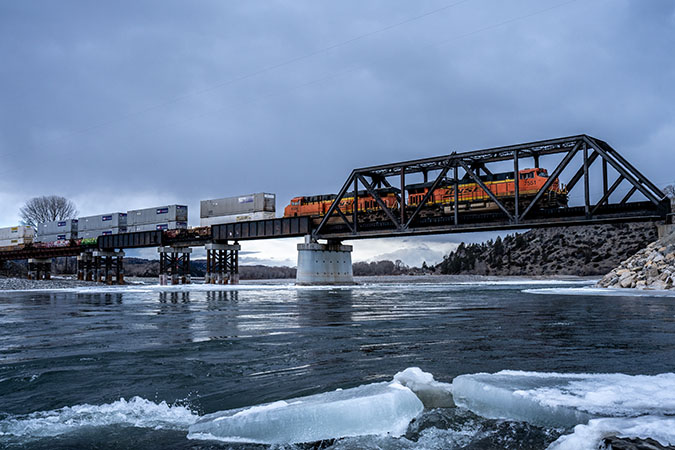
(589, 436)
(605, 292)
(137, 412)
(380, 408)
(432, 393)
(564, 400)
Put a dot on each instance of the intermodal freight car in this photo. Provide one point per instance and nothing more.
(62, 243)
(470, 196)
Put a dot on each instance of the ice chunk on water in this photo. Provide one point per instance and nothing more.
(589, 437)
(564, 400)
(136, 412)
(433, 394)
(380, 408)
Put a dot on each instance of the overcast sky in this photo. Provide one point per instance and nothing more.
(131, 104)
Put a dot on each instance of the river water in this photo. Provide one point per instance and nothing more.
(133, 367)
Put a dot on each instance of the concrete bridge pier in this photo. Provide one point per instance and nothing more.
(39, 269)
(324, 264)
(222, 263)
(174, 265)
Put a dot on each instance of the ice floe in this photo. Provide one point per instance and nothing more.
(563, 400)
(589, 436)
(432, 393)
(373, 409)
(589, 407)
(137, 412)
(608, 292)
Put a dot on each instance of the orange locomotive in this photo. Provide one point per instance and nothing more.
(470, 196)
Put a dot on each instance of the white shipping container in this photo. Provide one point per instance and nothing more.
(55, 237)
(20, 231)
(242, 204)
(157, 215)
(260, 215)
(17, 241)
(157, 226)
(102, 221)
(88, 234)
(57, 226)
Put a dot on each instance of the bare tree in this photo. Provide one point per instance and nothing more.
(47, 208)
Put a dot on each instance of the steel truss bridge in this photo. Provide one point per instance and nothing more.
(580, 152)
(654, 204)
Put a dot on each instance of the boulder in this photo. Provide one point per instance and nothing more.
(627, 281)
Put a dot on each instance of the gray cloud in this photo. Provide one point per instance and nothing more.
(129, 103)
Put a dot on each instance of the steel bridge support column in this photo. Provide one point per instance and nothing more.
(31, 269)
(324, 264)
(174, 265)
(103, 267)
(119, 268)
(84, 266)
(222, 263)
(39, 269)
(80, 268)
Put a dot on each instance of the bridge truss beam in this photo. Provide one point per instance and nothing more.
(398, 221)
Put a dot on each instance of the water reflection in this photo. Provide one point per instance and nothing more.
(174, 297)
(319, 308)
(107, 298)
(215, 298)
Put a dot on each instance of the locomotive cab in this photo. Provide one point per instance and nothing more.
(293, 208)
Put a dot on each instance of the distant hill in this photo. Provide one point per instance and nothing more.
(578, 250)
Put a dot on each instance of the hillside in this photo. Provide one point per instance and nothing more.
(578, 250)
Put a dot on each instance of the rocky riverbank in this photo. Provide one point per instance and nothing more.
(16, 284)
(650, 268)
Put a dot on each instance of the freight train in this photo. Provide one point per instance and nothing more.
(470, 197)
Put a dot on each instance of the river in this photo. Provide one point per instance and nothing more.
(134, 366)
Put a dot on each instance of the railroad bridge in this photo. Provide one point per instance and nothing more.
(592, 169)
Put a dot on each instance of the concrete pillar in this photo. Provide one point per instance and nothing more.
(324, 264)
(665, 229)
